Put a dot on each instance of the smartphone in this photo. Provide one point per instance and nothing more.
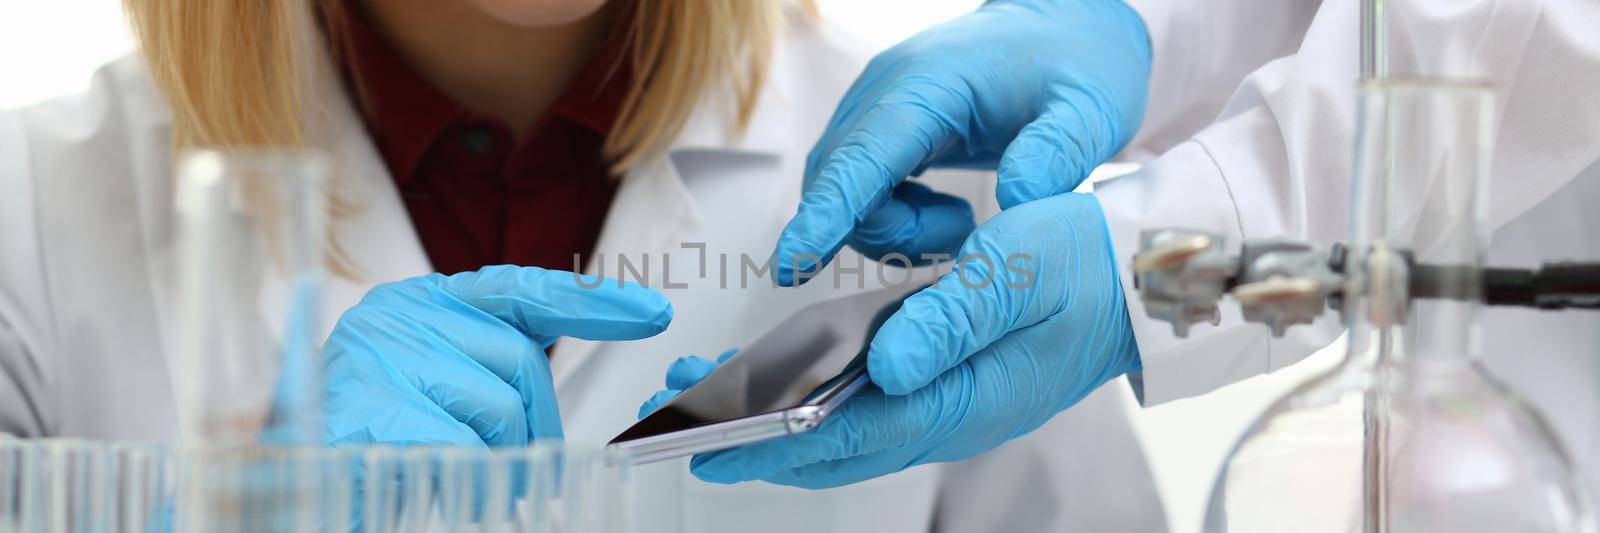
(786, 382)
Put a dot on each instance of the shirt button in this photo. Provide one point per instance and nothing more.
(478, 140)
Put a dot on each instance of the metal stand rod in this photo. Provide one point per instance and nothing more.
(1374, 41)
(1552, 286)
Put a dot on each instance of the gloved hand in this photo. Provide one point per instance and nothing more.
(1045, 89)
(460, 359)
(964, 366)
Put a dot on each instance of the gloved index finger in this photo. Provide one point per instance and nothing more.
(893, 138)
(543, 303)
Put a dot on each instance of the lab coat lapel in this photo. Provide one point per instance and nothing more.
(654, 210)
(370, 230)
(651, 212)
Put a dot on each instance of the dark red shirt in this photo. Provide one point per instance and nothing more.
(476, 198)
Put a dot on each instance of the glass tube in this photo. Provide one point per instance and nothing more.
(546, 488)
(1410, 432)
(251, 241)
(71, 485)
(251, 245)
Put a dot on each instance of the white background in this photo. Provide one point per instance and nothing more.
(50, 47)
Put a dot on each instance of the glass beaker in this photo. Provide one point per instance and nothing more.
(251, 244)
(1409, 432)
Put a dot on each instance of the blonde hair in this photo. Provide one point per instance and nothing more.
(231, 70)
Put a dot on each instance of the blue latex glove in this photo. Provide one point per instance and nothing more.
(460, 359)
(1045, 90)
(959, 369)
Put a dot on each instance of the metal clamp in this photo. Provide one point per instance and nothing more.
(1181, 275)
(1284, 283)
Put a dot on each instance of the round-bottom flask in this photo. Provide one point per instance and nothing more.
(1410, 432)
(1409, 446)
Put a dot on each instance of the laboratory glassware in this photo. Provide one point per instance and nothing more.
(250, 244)
(71, 485)
(544, 488)
(1410, 432)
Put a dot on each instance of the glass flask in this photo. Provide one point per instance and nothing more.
(250, 245)
(1410, 432)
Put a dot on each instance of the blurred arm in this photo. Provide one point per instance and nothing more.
(1201, 52)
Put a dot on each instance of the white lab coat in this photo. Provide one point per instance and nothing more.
(87, 308)
(1271, 87)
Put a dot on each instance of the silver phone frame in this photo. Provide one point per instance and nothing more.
(747, 430)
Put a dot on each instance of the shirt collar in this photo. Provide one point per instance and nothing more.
(595, 95)
(406, 114)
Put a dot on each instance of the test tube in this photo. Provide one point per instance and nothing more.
(545, 488)
(143, 495)
(72, 485)
(20, 489)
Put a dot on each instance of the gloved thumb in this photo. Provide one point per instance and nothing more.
(997, 286)
(939, 327)
(1051, 155)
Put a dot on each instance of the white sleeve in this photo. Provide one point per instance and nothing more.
(1200, 52)
(1278, 164)
(23, 374)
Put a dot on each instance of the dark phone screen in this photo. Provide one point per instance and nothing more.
(782, 368)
